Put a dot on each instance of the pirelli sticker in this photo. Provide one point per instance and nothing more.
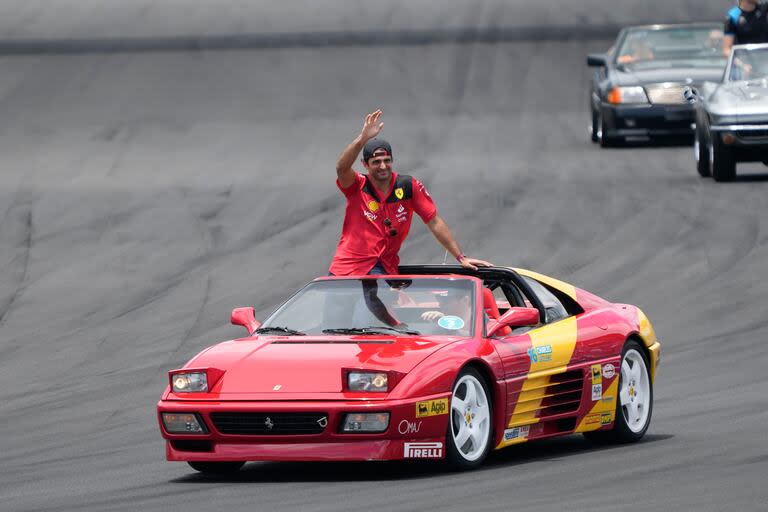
(432, 408)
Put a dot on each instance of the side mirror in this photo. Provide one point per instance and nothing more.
(245, 317)
(515, 317)
(597, 60)
(691, 95)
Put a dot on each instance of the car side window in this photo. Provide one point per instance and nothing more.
(554, 308)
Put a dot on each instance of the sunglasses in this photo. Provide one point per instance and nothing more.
(391, 231)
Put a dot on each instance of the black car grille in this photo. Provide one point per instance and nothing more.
(752, 134)
(266, 424)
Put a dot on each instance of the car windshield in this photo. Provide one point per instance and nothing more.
(749, 64)
(675, 47)
(425, 306)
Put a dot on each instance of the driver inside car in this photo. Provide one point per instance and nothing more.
(453, 313)
(639, 50)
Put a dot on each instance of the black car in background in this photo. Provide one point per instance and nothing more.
(637, 87)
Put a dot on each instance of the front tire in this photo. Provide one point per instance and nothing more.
(602, 138)
(469, 437)
(596, 128)
(217, 468)
(701, 152)
(723, 163)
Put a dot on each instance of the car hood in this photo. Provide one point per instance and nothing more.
(286, 367)
(692, 76)
(747, 101)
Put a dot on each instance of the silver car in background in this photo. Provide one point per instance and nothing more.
(732, 115)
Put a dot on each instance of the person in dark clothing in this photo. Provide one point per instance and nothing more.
(746, 23)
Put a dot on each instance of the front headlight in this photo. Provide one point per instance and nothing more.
(367, 381)
(191, 382)
(623, 95)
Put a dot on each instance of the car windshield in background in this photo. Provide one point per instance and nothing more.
(426, 306)
(749, 64)
(672, 48)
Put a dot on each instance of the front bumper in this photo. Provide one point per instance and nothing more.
(645, 121)
(655, 352)
(749, 142)
(407, 435)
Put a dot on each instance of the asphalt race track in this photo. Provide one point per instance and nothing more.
(147, 190)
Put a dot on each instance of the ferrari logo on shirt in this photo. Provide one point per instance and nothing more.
(399, 193)
(373, 206)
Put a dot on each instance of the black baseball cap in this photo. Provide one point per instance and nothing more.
(373, 145)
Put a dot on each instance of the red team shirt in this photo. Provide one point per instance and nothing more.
(365, 237)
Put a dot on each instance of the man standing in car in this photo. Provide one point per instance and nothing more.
(380, 206)
(746, 24)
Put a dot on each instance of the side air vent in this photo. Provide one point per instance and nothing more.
(563, 394)
(544, 397)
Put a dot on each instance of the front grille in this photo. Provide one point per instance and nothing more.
(267, 424)
(666, 94)
(749, 135)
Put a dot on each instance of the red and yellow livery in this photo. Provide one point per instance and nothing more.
(517, 356)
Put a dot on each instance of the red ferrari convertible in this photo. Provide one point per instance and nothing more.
(436, 363)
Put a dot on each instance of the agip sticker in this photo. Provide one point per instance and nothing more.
(432, 408)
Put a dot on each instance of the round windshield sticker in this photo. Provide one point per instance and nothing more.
(452, 323)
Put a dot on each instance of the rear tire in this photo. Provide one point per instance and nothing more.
(217, 468)
(723, 163)
(634, 403)
(469, 437)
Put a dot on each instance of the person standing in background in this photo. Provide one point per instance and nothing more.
(746, 23)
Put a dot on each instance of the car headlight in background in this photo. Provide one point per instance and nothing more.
(624, 95)
(183, 423)
(374, 422)
(367, 381)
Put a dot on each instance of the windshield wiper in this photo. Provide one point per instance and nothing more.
(283, 330)
(378, 329)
